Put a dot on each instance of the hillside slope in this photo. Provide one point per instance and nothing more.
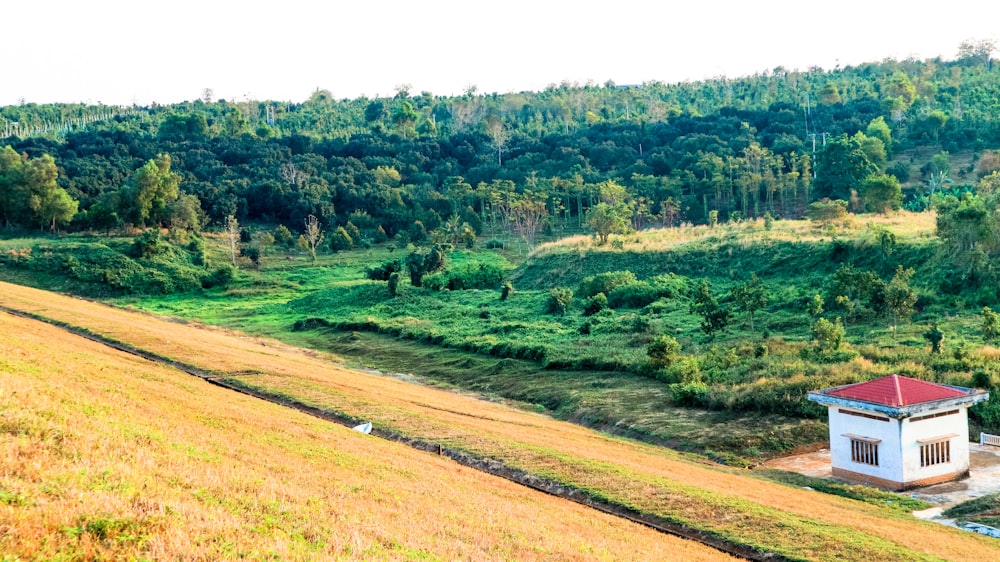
(770, 517)
(107, 456)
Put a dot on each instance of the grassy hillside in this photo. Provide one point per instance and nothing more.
(802, 252)
(105, 456)
(748, 386)
(797, 523)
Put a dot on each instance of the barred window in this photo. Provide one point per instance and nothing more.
(864, 452)
(938, 452)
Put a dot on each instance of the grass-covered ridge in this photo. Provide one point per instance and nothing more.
(793, 249)
(148, 264)
(796, 523)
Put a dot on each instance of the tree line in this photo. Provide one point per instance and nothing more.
(716, 150)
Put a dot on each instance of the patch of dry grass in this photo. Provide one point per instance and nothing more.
(107, 456)
(905, 225)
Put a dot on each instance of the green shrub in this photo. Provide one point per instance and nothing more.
(559, 300)
(148, 244)
(435, 282)
(464, 277)
(340, 240)
(394, 284)
(474, 276)
(353, 232)
(197, 248)
(990, 324)
(252, 253)
(827, 211)
(820, 355)
(506, 291)
(221, 277)
(310, 324)
(108, 268)
(605, 282)
(689, 394)
(382, 272)
(663, 352)
(987, 414)
(595, 304)
(644, 293)
(828, 335)
(983, 379)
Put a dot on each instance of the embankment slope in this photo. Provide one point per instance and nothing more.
(104, 455)
(764, 515)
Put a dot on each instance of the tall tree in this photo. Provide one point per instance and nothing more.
(53, 207)
(714, 317)
(978, 50)
(841, 167)
(606, 219)
(313, 235)
(881, 193)
(900, 297)
(154, 187)
(404, 119)
(13, 192)
(498, 133)
(879, 129)
(233, 236)
(750, 297)
(29, 193)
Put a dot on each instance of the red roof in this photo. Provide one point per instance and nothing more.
(896, 391)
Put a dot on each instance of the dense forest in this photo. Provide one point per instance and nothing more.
(714, 150)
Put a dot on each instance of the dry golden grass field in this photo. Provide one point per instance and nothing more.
(104, 455)
(907, 226)
(793, 522)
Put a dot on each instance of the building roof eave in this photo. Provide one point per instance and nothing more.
(900, 412)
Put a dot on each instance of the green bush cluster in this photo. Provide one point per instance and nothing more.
(644, 293)
(559, 300)
(465, 276)
(621, 289)
(605, 283)
(150, 265)
(382, 272)
(504, 349)
(595, 304)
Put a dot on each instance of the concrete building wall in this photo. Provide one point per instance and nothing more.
(890, 461)
(955, 425)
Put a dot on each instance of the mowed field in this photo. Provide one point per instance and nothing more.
(104, 455)
(726, 503)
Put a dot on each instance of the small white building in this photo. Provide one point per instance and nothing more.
(897, 433)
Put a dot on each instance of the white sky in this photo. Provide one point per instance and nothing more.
(138, 51)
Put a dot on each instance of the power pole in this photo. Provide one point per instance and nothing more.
(807, 113)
